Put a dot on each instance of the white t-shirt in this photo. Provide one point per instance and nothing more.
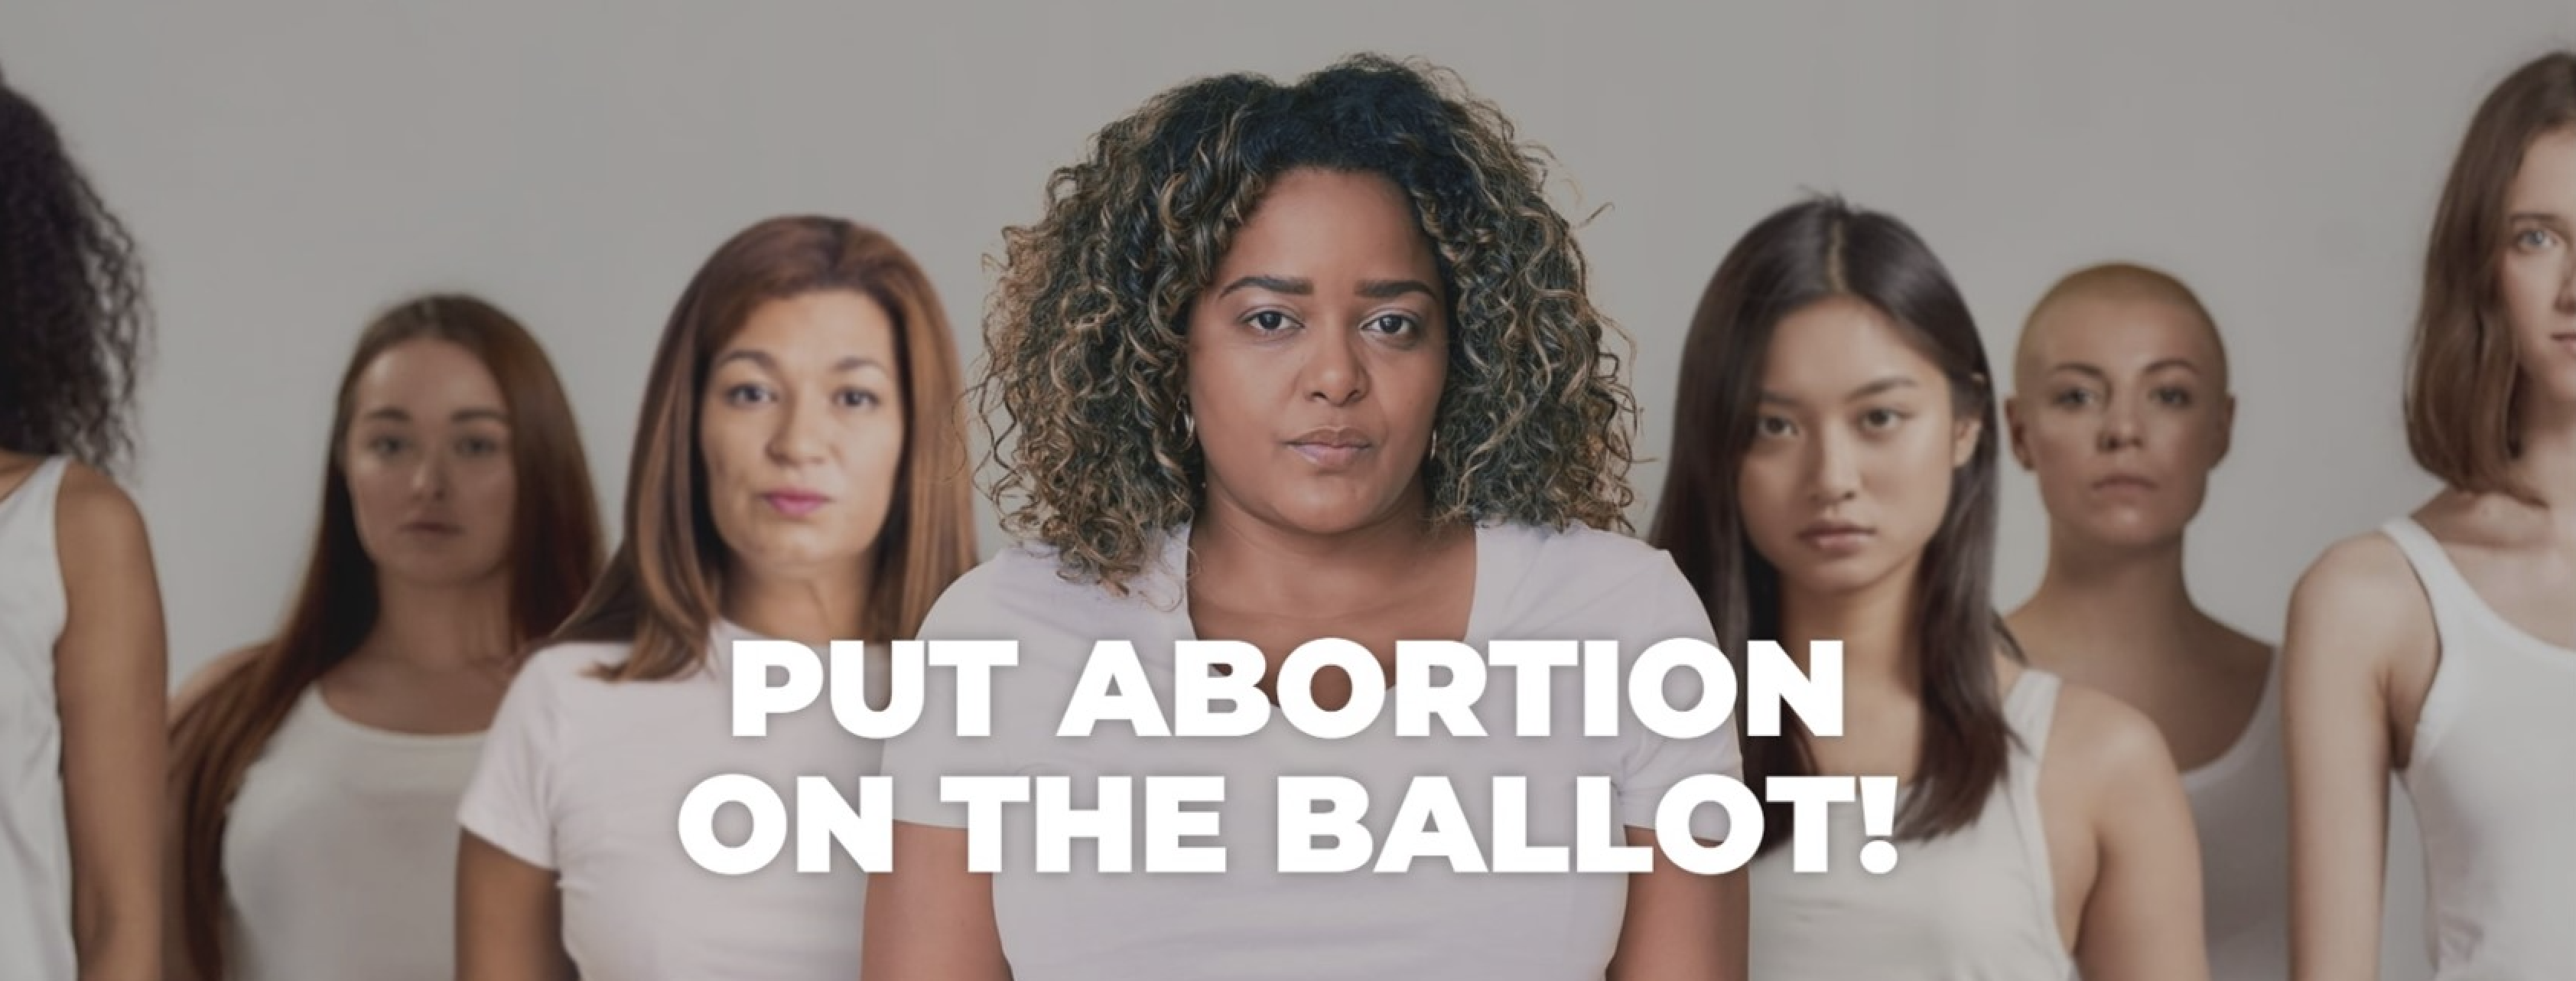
(1251, 922)
(585, 777)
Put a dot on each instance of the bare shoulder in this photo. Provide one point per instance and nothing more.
(2359, 600)
(2113, 745)
(98, 523)
(212, 675)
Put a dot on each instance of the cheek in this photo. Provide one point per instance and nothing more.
(1912, 474)
(1768, 495)
(376, 492)
(492, 490)
(723, 443)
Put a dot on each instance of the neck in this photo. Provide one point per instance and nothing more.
(444, 627)
(811, 609)
(1876, 625)
(1317, 574)
(2547, 464)
(2123, 595)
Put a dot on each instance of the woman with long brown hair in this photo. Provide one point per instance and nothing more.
(316, 774)
(2441, 647)
(798, 474)
(83, 656)
(1833, 479)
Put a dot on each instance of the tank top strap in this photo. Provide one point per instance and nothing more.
(2445, 588)
(29, 508)
(2030, 708)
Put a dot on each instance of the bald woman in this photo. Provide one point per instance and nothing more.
(2121, 407)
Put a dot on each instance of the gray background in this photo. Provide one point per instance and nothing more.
(292, 167)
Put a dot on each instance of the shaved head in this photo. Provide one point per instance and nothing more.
(2115, 289)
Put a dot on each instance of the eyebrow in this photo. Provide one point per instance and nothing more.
(2542, 217)
(765, 362)
(393, 414)
(1388, 289)
(1879, 387)
(1374, 289)
(2086, 369)
(1275, 284)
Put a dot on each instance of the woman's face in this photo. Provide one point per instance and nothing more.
(428, 467)
(1848, 475)
(2122, 412)
(802, 429)
(1317, 355)
(2536, 278)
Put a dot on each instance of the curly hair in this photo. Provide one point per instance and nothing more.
(1084, 341)
(72, 311)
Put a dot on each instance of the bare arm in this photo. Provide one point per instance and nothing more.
(1681, 925)
(111, 677)
(929, 918)
(509, 917)
(2142, 919)
(2354, 614)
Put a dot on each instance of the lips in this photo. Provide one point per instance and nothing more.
(1333, 447)
(431, 526)
(2124, 482)
(1837, 537)
(795, 503)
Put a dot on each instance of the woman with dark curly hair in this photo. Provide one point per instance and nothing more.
(1281, 363)
(82, 651)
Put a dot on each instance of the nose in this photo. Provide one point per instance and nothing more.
(2567, 288)
(1836, 474)
(799, 436)
(429, 479)
(1334, 371)
(2120, 427)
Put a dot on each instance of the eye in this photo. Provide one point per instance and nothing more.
(1774, 427)
(2074, 398)
(387, 445)
(2535, 239)
(2174, 396)
(1269, 321)
(748, 393)
(478, 446)
(857, 398)
(1395, 324)
(1880, 419)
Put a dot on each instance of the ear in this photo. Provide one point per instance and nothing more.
(2018, 431)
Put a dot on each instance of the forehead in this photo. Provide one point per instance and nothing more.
(816, 329)
(2112, 330)
(1838, 344)
(1316, 222)
(2546, 181)
(426, 372)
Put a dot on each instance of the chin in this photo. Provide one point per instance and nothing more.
(1833, 577)
(2129, 529)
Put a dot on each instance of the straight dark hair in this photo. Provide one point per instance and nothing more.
(1815, 250)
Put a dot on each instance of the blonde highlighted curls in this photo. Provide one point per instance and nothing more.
(1084, 340)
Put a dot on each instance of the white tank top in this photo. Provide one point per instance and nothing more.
(340, 852)
(1978, 904)
(35, 854)
(2494, 794)
(2240, 802)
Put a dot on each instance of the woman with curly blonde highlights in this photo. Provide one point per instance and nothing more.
(1279, 363)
